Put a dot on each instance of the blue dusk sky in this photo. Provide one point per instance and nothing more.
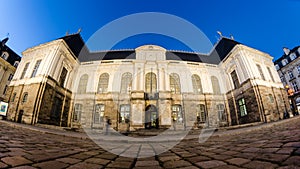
(265, 25)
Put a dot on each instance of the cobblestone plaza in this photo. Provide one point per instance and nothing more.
(271, 145)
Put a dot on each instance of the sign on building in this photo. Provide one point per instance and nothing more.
(3, 108)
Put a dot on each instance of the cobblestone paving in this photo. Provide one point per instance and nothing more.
(267, 148)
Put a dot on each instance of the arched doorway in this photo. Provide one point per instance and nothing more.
(151, 117)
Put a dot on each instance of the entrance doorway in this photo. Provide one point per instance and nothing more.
(151, 117)
(21, 112)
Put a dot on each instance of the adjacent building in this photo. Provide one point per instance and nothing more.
(9, 62)
(63, 83)
(288, 68)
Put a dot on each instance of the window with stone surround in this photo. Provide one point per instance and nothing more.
(151, 83)
(242, 107)
(298, 69)
(271, 98)
(260, 72)
(24, 70)
(271, 75)
(284, 62)
(235, 79)
(99, 114)
(175, 83)
(291, 74)
(197, 86)
(83, 84)
(293, 56)
(126, 82)
(13, 97)
(103, 83)
(63, 76)
(201, 115)
(295, 86)
(124, 113)
(10, 77)
(221, 112)
(177, 114)
(215, 85)
(36, 67)
(25, 97)
(77, 112)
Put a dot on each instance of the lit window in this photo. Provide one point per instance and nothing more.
(77, 112)
(177, 114)
(124, 113)
(99, 113)
(175, 83)
(201, 116)
(242, 106)
(103, 83)
(36, 67)
(196, 81)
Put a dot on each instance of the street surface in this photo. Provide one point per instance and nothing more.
(267, 146)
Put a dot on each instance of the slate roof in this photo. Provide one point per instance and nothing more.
(218, 53)
(287, 57)
(12, 55)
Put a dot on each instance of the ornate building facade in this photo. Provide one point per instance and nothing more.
(62, 83)
(288, 68)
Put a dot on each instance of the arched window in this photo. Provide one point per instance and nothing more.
(197, 86)
(175, 83)
(103, 83)
(221, 112)
(25, 97)
(151, 83)
(215, 85)
(126, 82)
(82, 84)
(201, 115)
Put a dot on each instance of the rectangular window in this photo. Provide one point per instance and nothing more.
(298, 69)
(24, 70)
(99, 113)
(125, 113)
(201, 116)
(271, 75)
(63, 77)
(235, 79)
(221, 112)
(13, 97)
(260, 72)
(242, 107)
(177, 114)
(36, 67)
(295, 86)
(5, 88)
(77, 112)
(291, 75)
(10, 77)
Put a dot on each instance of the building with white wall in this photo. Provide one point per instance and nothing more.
(63, 83)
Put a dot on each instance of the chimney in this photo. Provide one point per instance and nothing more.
(286, 51)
